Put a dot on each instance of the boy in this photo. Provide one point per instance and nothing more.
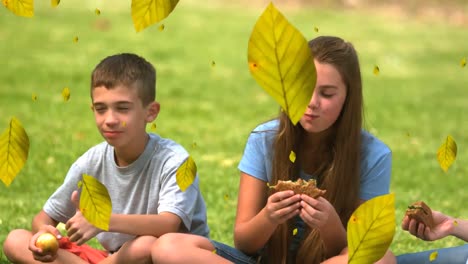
(138, 169)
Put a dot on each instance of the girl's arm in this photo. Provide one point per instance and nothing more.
(258, 215)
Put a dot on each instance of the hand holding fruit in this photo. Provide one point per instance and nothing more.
(44, 244)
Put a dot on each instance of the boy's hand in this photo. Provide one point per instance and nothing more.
(443, 226)
(38, 253)
(79, 230)
(282, 206)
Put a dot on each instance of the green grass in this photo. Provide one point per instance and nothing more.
(419, 97)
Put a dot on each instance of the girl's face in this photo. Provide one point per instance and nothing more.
(327, 100)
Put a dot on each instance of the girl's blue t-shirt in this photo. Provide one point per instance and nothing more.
(376, 160)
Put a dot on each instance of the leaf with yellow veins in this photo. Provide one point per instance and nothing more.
(281, 62)
(447, 153)
(24, 8)
(54, 3)
(148, 12)
(95, 202)
(371, 229)
(186, 173)
(14, 150)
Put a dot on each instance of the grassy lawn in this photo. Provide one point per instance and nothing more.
(419, 97)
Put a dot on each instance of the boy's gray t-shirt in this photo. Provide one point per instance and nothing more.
(147, 186)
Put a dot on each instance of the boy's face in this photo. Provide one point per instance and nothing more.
(120, 115)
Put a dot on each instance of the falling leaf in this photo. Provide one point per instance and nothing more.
(295, 231)
(75, 39)
(433, 256)
(95, 202)
(226, 197)
(24, 8)
(376, 70)
(124, 124)
(371, 233)
(316, 29)
(14, 149)
(54, 3)
(66, 94)
(463, 62)
(213, 63)
(148, 12)
(194, 145)
(292, 156)
(161, 27)
(186, 173)
(281, 62)
(153, 127)
(455, 222)
(34, 97)
(447, 153)
(97, 11)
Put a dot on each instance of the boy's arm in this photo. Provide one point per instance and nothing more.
(42, 219)
(154, 225)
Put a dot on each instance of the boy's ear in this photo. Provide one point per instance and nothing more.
(153, 111)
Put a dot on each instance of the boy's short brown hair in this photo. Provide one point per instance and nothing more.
(129, 70)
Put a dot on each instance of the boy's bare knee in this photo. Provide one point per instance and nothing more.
(16, 244)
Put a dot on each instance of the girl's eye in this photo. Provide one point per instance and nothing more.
(327, 95)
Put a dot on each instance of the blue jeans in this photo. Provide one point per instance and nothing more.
(452, 255)
(233, 254)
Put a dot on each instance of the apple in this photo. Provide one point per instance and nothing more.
(48, 243)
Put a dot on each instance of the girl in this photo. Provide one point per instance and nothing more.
(350, 164)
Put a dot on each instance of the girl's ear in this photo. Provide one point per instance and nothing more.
(153, 111)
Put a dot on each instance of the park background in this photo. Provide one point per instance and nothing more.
(210, 102)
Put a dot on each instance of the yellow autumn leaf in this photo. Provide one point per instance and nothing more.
(34, 97)
(376, 70)
(316, 29)
(54, 3)
(294, 231)
(153, 127)
(97, 11)
(463, 62)
(66, 94)
(213, 63)
(95, 202)
(75, 39)
(14, 149)
(161, 27)
(24, 8)
(447, 153)
(433, 256)
(148, 12)
(186, 173)
(370, 229)
(292, 156)
(281, 62)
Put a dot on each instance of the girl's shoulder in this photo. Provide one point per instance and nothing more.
(268, 126)
(373, 146)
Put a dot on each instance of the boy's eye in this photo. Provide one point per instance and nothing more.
(122, 109)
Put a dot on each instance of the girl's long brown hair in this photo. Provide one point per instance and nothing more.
(340, 172)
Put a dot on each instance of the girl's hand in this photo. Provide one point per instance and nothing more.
(38, 253)
(443, 226)
(317, 212)
(282, 206)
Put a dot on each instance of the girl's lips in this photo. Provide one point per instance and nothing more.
(311, 117)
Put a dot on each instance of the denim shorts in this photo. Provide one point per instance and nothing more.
(451, 255)
(233, 254)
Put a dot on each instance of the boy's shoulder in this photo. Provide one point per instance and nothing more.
(166, 146)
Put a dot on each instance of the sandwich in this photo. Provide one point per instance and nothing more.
(421, 213)
(299, 187)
